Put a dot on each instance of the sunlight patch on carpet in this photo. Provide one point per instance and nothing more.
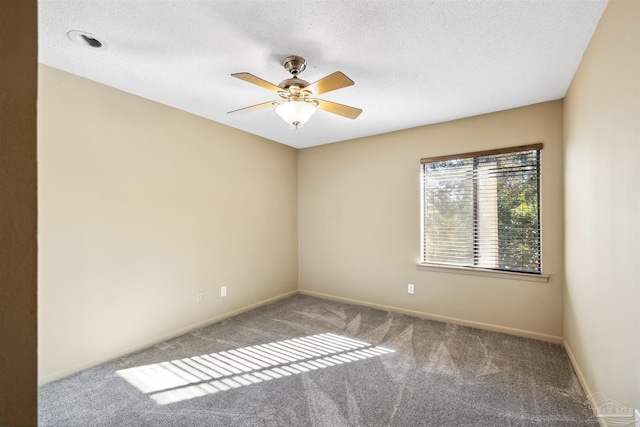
(188, 378)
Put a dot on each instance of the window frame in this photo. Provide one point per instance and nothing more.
(475, 270)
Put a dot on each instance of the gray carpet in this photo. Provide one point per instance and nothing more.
(304, 361)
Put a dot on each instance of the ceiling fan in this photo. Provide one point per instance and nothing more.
(298, 103)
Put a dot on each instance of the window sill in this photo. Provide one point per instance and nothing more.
(540, 278)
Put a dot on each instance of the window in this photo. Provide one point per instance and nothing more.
(483, 209)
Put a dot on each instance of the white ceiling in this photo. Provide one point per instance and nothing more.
(414, 62)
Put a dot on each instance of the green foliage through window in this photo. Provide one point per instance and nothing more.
(483, 211)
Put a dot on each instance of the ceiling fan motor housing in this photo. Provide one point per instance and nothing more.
(293, 88)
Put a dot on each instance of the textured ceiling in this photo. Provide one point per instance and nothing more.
(413, 62)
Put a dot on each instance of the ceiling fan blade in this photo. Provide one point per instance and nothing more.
(339, 109)
(247, 77)
(333, 81)
(253, 107)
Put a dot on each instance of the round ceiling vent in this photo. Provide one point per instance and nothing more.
(85, 39)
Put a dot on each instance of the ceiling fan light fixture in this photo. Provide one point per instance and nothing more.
(299, 102)
(295, 113)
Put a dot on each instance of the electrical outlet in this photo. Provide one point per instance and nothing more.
(199, 296)
(410, 289)
(223, 291)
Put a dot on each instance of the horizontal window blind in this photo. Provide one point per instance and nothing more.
(483, 209)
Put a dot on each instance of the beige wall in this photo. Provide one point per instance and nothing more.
(142, 206)
(18, 234)
(602, 202)
(359, 224)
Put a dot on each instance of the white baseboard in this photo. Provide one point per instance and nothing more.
(583, 381)
(439, 318)
(148, 343)
(576, 368)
